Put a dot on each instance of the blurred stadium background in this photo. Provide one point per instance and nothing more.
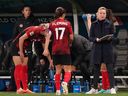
(44, 11)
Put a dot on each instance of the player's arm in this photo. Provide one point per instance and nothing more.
(50, 61)
(49, 57)
(27, 34)
(47, 40)
(89, 22)
(71, 36)
(21, 42)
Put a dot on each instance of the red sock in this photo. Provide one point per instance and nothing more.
(57, 81)
(24, 75)
(67, 77)
(105, 80)
(17, 75)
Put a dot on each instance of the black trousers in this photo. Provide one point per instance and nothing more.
(82, 61)
(97, 74)
(85, 72)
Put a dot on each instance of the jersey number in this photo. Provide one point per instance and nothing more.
(60, 31)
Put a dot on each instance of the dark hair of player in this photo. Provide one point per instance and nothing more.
(59, 12)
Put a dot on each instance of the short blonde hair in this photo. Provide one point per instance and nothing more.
(102, 8)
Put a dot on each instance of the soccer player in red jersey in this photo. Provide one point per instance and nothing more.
(19, 54)
(62, 39)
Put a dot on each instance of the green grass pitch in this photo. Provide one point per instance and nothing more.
(125, 93)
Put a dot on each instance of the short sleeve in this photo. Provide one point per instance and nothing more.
(30, 33)
(70, 28)
(50, 26)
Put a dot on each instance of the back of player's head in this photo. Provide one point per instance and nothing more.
(45, 25)
(59, 12)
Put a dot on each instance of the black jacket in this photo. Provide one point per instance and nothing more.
(80, 50)
(23, 23)
(80, 45)
(102, 52)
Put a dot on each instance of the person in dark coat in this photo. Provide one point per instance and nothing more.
(80, 52)
(105, 80)
(102, 50)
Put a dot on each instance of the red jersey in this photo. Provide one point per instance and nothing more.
(61, 29)
(33, 33)
(34, 30)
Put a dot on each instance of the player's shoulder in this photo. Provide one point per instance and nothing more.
(65, 20)
(61, 21)
(29, 28)
(52, 22)
(36, 26)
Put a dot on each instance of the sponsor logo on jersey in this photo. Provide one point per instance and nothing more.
(31, 33)
(21, 25)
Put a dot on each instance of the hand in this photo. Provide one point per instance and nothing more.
(89, 16)
(110, 38)
(21, 56)
(98, 40)
(46, 52)
(51, 66)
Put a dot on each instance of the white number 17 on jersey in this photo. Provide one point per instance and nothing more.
(60, 31)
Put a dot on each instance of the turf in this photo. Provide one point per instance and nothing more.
(70, 94)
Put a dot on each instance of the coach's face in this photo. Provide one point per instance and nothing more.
(101, 14)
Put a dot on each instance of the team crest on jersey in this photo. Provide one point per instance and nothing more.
(31, 33)
(21, 25)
